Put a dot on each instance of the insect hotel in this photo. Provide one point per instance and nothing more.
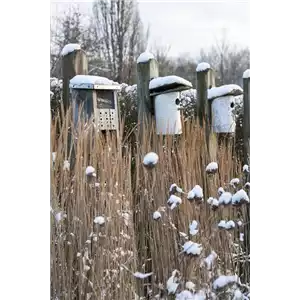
(95, 96)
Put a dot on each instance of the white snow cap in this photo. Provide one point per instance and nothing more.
(247, 185)
(223, 90)
(142, 275)
(166, 80)
(193, 227)
(224, 280)
(222, 224)
(225, 198)
(99, 220)
(184, 295)
(246, 168)
(90, 171)
(189, 285)
(240, 223)
(70, 48)
(156, 215)
(145, 57)
(191, 195)
(212, 167)
(202, 67)
(174, 201)
(210, 200)
(66, 166)
(209, 260)
(196, 192)
(230, 224)
(246, 74)
(150, 159)
(239, 196)
(234, 181)
(238, 295)
(190, 247)
(82, 80)
(60, 216)
(213, 201)
(178, 189)
(241, 237)
(220, 191)
(172, 283)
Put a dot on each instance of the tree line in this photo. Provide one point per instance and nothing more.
(113, 36)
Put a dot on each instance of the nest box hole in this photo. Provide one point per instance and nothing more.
(177, 101)
(232, 104)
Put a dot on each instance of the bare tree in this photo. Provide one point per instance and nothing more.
(161, 52)
(68, 28)
(119, 23)
(228, 60)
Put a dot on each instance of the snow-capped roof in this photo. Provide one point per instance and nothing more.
(92, 82)
(224, 90)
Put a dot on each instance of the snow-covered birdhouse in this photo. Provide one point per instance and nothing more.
(222, 107)
(166, 94)
(95, 96)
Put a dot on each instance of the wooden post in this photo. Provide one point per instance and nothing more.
(147, 69)
(205, 81)
(73, 63)
(49, 181)
(246, 118)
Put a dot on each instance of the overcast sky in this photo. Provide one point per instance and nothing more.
(187, 26)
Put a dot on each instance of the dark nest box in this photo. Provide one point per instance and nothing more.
(165, 92)
(95, 96)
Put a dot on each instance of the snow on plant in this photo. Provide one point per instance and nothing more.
(175, 188)
(223, 281)
(193, 227)
(213, 202)
(210, 259)
(247, 185)
(196, 193)
(142, 275)
(234, 182)
(60, 216)
(220, 191)
(226, 225)
(90, 171)
(246, 169)
(99, 220)
(156, 215)
(193, 248)
(174, 201)
(150, 160)
(211, 168)
(240, 197)
(66, 166)
(189, 285)
(241, 237)
(225, 198)
(173, 282)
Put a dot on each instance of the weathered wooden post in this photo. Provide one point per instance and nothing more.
(74, 62)
(246, 118)
(147, 69)
(205, 79)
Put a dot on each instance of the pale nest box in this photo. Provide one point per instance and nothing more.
(165, 92)
(222, 106)
(95, 96)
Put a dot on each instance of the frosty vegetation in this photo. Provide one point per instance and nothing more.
(197, 247)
